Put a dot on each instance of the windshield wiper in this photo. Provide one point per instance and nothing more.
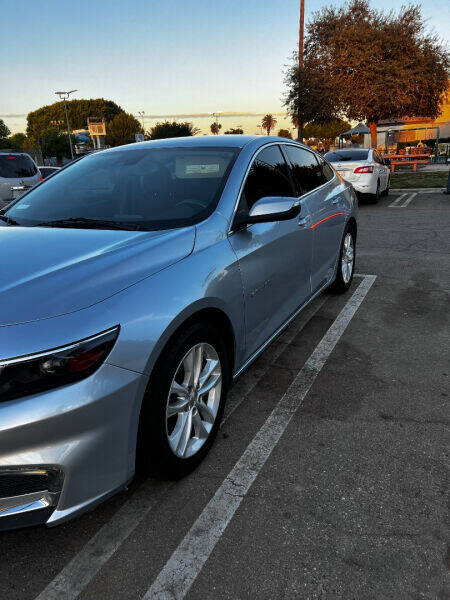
(88, 224)
(8, 220)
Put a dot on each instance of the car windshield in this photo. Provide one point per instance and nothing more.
(17, 166)
(346, 155)
(143, 188)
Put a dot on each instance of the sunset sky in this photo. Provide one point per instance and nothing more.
(165, 57)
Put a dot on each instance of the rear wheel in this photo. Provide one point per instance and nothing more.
(184, 404)
(386, 191)
(374, 198)
(346, 263)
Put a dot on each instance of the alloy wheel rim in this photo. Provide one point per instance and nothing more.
(348, 254)
(193, 400)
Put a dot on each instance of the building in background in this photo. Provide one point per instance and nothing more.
(414, 130)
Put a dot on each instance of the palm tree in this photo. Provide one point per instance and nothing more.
(268, 123)
(215, 128)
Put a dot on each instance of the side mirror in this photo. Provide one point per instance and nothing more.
(268, 210)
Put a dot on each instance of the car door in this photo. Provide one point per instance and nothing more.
(274, 258)
(322, 193)
(383, 171)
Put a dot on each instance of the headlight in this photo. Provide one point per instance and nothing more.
(35, 373)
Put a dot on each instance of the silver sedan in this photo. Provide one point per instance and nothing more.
(140, 282)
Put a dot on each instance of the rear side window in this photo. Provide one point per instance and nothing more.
(268, 176)
(16, 166)
(327, 171)
(346, 155)
(306, 170)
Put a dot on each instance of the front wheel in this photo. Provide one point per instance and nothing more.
(346, 263)
(184, 403)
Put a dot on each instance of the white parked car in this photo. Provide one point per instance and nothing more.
(18, 172)
(364, 168)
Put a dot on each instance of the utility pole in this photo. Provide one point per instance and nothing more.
(141, 113)
(65, 96)
(300, 59)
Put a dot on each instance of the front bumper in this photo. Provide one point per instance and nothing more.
(82, 437)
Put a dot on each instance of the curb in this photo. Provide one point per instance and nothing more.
(423, 190)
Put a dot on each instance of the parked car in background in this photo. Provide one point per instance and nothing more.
(138, 284)
(18, 172)
(364, 168)
(46, 171)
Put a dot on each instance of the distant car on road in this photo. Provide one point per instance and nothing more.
(46, 171)
(18, 172)
(364, 168)
(136, 286)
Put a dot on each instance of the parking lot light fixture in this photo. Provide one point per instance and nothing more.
(64, 97)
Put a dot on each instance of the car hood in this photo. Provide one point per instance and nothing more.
(46, 272)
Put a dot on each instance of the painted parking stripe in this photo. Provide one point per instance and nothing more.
(183, 567)
(77, 574)
(405, 203)
(397, 201)
(408, 200)
(85, 565)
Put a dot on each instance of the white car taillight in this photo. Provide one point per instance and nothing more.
(368, 169)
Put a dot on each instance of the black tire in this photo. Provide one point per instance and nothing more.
(386, 191)
(375, 198)
(339, 285)
(154, 454)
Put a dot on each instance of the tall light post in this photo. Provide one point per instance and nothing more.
(300, 59)
(216, 116)
(141, 113)
(65, 96)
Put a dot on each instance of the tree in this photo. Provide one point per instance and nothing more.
(215, 128)
(234, 131)
(122, 129)
(79, 110)
(379, 65)
(268, 123)
(53, 143)
(310, 96)
(4, 131)
(166, 129)
(326, 132)
(285, 133)
(17, 141)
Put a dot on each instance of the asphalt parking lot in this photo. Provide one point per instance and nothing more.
(329, 476)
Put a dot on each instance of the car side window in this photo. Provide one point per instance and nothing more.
(268, 176)
(327, 171)
(307, 172)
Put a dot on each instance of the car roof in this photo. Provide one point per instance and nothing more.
(204, 141)
(14, 152)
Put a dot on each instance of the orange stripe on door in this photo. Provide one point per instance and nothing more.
(326, 219)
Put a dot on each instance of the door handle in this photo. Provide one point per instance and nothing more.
(303, 222)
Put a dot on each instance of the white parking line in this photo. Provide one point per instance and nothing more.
(396, 203)
(408, 200)
(183, 567)
(78, 573)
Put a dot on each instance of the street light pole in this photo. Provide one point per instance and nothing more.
(65, 96)
(141, 113)
(300, 59)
